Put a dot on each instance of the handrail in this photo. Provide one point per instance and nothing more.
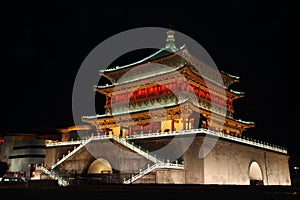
(51, 143)
(151, 168)
(124, 142)
(252, 142)
(84, 142)
(60, 179)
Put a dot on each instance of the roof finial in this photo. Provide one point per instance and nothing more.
(170, 41)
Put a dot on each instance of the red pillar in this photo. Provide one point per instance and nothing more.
(129, 131)
(192, 123)
(172, 125)
(184, 123)
(152, 127)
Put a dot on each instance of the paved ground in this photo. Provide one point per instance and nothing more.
(142, 192)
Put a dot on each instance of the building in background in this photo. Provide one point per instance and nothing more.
(22, 151)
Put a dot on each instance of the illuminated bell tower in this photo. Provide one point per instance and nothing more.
(144, 97)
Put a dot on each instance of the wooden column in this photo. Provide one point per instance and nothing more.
(192, 123)
(129, 131)
(172, 125)
(184, 123)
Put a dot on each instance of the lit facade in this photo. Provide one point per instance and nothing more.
(166, 101)
(173, 98)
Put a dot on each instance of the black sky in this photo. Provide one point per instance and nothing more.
(47, 44)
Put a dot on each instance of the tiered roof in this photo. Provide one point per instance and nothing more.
(175, 60)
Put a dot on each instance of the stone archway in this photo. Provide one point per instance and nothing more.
(255, 174)
(100, 166)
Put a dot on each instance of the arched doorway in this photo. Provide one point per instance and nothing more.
(100, 166)
(255, 174)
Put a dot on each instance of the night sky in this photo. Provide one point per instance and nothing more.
(47, 43)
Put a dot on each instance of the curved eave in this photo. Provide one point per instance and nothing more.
(235, 78)
(152, 57)
(248, 124)
(229, 79)
(132, 64)
(151, 76)
(244, 124)
(230, 93)
(108, 88)
(236, 94)
(111, 79)
(195, 77)
(93, 117)
(103, 89)
(112, 73)
(211, 75)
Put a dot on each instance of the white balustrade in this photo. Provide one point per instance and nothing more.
(126, 142)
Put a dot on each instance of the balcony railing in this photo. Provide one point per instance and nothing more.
(249, 141)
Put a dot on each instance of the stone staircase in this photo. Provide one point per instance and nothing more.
(152, 168)
(63, 180)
